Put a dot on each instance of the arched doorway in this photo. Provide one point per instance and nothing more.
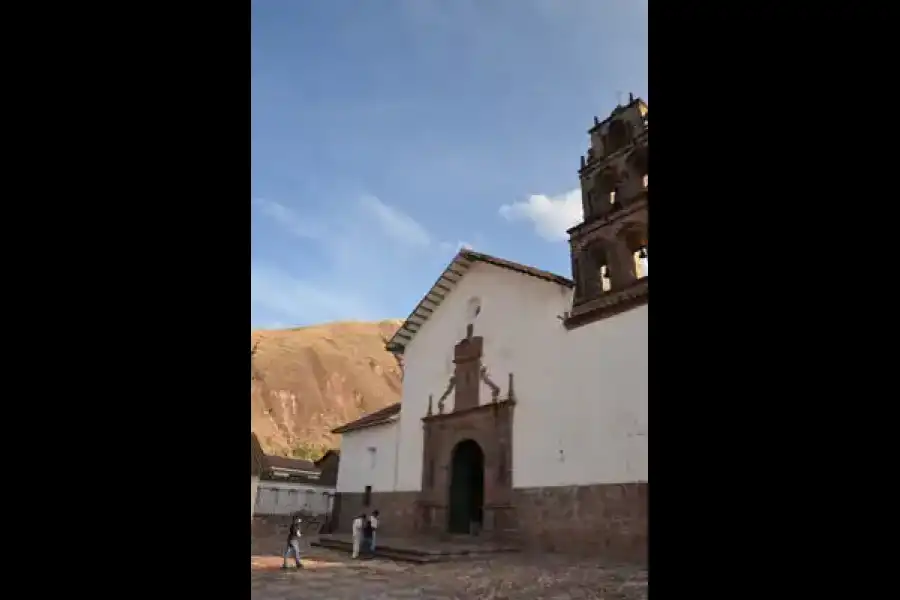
(466, 487)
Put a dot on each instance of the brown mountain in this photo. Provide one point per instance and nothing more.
(309, 380)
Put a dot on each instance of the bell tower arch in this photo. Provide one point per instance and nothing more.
(609, 249)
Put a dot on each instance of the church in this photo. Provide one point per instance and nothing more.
(524, 407)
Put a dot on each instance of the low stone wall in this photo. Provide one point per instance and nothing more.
(397, 512)
(609, 520)
(606, 520)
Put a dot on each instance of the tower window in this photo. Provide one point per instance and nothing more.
(367, 496)
(619, 135)
(641, 264)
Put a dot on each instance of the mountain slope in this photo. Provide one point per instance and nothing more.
(309, 380)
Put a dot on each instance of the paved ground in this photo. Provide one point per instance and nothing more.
(334, 576)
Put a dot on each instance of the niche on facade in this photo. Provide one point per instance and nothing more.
(473, 309)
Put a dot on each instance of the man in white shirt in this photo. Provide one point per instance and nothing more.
(357, 533)
(374, 521)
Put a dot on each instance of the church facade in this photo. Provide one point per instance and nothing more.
(524, 407)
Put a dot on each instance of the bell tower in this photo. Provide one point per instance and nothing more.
(609, 248)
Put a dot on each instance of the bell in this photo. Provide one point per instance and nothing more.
(643, 253)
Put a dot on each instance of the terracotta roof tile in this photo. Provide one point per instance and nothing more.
(331, 451)
(376, 418)
(518, 267)
(280, 462)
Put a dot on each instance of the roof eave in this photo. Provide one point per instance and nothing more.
(452, 274)
(352, 427)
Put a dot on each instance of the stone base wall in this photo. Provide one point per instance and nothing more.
(397, 512)
(608, 521)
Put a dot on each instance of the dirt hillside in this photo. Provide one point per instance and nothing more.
(309, 380)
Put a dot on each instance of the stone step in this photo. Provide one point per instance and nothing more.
(389, 553)
(410, 552)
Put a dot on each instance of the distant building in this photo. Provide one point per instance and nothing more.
(287, 485)
(257, 465)
(524, 407)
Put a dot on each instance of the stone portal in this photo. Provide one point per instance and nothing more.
(469, 442)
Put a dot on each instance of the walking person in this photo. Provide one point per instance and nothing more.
(358, 523)
(374, 521)
(293, 544)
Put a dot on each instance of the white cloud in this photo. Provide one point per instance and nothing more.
(289, 299)
(288, 219)
(350, 269)
(396, 224)
(449, 246)
(551, 216)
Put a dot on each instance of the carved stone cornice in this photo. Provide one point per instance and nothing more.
(595, 163)
(635, 205)
(609, 304)
(506, 403)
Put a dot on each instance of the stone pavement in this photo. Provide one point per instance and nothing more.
(331, 575)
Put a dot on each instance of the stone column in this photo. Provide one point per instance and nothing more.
(621, 261)
(576, 270)
(590, 284)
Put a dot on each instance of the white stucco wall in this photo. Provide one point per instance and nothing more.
(284, 498)
(581, 416)
(518, 314)
(587, 424)
(359, 466)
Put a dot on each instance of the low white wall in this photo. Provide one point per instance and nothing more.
(254, 489)
(369, 458)
(283, 498)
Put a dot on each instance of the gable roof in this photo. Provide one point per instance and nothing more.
(257, 456)
(379, 417)
(451, 276)
(330, 452)
(291, 464)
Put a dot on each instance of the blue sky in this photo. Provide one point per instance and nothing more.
(385, 134)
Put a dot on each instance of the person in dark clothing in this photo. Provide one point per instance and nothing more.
(367, 536)
(293, 544)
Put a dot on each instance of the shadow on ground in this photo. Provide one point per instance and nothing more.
(329, 575)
